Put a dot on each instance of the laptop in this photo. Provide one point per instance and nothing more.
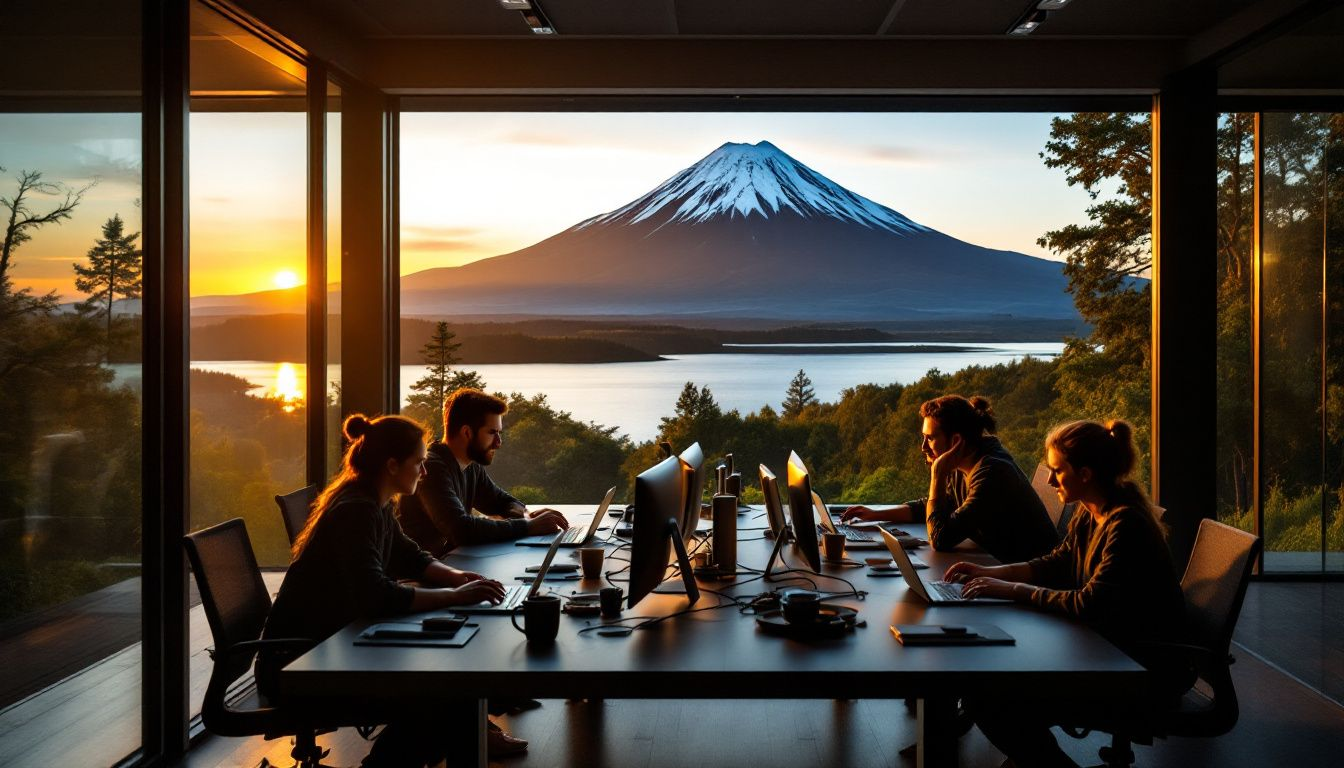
(933, 591)
(855, 538)
(515, 594)
(574, 536)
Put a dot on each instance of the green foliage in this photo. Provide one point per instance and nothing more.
(798, 396)
(425, 403)
(549, 452)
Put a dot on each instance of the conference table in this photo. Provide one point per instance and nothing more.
(721, 653)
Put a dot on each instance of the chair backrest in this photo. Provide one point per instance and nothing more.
(1040, 482)
(1215, 583)
(234, 596)
(294, 508)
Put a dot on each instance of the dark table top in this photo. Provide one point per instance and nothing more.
(721, 653)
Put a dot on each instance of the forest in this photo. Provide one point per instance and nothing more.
(70, 467)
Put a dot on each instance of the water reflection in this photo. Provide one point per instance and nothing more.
(288, 387)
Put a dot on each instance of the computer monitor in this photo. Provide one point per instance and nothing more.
(659, 507)
(800, 512)
(774, 510)
(693, 462)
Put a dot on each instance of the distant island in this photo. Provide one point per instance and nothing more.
(567, 340)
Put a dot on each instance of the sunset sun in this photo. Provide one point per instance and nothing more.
(285, 278)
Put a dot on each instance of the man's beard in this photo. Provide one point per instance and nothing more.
(482, 456)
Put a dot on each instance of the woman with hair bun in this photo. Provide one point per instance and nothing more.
(976, 490)
(351, 561)
(1112, 571)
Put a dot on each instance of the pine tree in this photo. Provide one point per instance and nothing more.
(428, 393)
(114, 270)
(799, 395)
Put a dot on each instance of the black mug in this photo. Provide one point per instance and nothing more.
(541, 618)
(611, 597)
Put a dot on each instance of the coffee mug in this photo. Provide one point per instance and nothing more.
(610, 597)
(591, 560)
(801, 607)
(541, 618)
(834, 546)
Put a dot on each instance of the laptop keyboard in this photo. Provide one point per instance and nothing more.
(857, 534)
(513, 595)
(574, 535)
(945, 590)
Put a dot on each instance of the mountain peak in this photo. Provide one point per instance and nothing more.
(744, 180)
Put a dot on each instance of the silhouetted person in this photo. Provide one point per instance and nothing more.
(976, 490)
(438, 516)
(1111, 571)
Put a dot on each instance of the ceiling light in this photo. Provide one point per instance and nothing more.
(1028, 23)
(538, 24)
(516, 5)
(1051, 5)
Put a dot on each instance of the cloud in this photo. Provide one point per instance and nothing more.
(430, 231)
(541, 139)
(438, 244)
(894, 154)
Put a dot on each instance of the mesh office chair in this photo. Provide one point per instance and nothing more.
(1060, 513)
(236, 604)
(1214, 584)
(294, 509)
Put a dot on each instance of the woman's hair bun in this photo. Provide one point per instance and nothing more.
(356, 426)
(1120, 430)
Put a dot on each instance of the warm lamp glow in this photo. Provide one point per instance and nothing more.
(285, 278)
(287, 386)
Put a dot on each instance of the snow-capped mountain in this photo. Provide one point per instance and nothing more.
(741, 180)
(748, 231)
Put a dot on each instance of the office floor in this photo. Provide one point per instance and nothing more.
(1297, 628)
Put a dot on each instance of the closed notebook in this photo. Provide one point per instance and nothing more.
(407, 633)
(937, 634)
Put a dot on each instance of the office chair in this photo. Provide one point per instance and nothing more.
(294, 509)
(1214, 585)
(1060, 513)
(236, 604)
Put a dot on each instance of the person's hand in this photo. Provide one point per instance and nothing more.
(946, 464)
(480, 590)
(544, 521)
(984, 586)
(963, 572)
(464, 577)
(860, 513)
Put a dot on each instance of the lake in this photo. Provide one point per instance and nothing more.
(634, 396)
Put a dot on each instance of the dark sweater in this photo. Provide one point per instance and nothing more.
(994, 506)
(348, 570)
(438, 516)
(1116, 575)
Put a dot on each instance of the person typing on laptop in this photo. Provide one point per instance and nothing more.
(1111, 571)
(976, 490)
(438, 516)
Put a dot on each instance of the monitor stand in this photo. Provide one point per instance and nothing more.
(673, 530)
(777, 553)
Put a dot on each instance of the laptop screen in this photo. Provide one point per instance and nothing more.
(903, 562)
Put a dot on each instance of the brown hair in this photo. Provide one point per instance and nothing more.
(1106, 449)
(468, 407)
(972, 419)
(372, 443)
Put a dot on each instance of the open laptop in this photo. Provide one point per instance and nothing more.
(574, 536)
(933, 591)
(855, 538)
(515, 594)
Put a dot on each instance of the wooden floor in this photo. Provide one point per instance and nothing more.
(1282, 723)
(1298, 627)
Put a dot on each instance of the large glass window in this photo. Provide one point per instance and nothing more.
(247, 283)
(766, 282)
(334, 253)
(70, 383)
(1300, 377)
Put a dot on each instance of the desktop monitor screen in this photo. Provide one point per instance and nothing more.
(774, 511)
(800, 512)
(693, 462)
(659, 498)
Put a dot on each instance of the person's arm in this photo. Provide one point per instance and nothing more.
(444, 506)
(950, 522)
(364, 576)
(490, 499)
(900, 513)
(1105, 586)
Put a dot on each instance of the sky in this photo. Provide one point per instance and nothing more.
(475, 185)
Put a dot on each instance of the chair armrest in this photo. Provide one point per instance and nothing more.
(298, 644)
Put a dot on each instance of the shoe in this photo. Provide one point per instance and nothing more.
(500, 744)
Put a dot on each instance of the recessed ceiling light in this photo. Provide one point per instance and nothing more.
(1052, 5)
(516, 5)
(1028, 23)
